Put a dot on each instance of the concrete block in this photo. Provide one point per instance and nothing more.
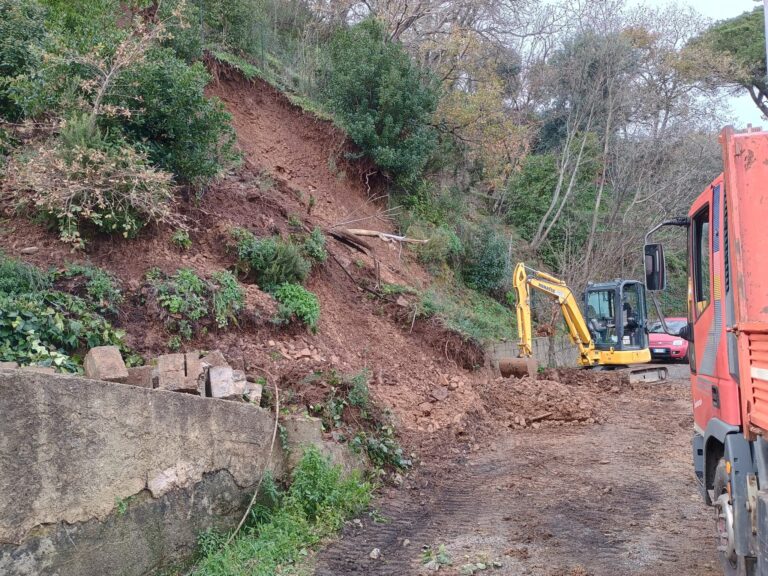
(140, 376)
(222, 383)
(254, 391)
(172, 374)
(8, 365)
(105, 363)
(195, 372)
(214, 358)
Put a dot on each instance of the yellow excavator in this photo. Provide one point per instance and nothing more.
(611, 333)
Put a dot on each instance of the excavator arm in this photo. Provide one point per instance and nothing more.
(525, 278)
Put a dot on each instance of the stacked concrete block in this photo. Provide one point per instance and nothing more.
(105, 363)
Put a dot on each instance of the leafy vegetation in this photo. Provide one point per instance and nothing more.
(39, 325)
(101, 289)
(471, 314)
(190, 304)
(296, 302)
(382, 99)
(271, 261)
(181, 239)
(367, 430)
(83, 179)
(279, 534)
(314, 246)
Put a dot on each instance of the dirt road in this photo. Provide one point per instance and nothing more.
(610, 499)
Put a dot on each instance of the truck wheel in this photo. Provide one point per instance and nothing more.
(733, 564)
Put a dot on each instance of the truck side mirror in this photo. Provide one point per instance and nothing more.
(655, 268)
(685, 332)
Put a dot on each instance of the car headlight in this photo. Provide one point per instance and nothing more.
(677, 342)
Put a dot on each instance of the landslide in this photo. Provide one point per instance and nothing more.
(295, 168)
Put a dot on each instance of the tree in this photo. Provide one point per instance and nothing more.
(732, 54)
(384, 100)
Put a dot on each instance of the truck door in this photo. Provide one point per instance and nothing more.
(702, 377)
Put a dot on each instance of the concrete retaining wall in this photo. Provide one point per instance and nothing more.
(99, 478)
(550, 352)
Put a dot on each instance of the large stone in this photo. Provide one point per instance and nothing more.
(253, 391)
(105, 363)
(222, 383)
(214, 358)
(172, 374)
(140, 376)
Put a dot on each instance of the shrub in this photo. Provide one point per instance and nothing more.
(17, 277)
(183, 131)
(271, 261)
(383, 100)
(22, 35)
(181, 239)
(282, 532)
(484, 262)
(382, 448)
(228, 298)
(51, 328)
(101, 289)
(189, 303)
(109, 186)
(299, 303)
(314, 246)
(444, 245)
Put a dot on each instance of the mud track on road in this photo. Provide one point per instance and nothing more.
(612, 499)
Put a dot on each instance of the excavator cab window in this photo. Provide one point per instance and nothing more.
(632, 314)
(601, 317)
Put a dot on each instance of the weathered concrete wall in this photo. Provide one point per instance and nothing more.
(555, 352)
(102, 478)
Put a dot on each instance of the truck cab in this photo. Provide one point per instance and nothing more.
(727, 237)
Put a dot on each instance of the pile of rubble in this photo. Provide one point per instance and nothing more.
(206, 375)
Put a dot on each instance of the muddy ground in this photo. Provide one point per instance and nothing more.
(610, 499)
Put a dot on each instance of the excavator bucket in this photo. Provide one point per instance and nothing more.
(518, 367)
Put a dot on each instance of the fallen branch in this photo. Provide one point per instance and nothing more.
(540, 417)
(384, 236)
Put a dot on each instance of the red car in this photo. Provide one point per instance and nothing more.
(668, 346)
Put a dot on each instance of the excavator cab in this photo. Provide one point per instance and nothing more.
(616, 315)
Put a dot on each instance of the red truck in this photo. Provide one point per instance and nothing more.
(727, 232)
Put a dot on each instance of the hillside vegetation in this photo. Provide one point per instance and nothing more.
(526, 131)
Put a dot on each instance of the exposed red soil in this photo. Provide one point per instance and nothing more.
(289, 158)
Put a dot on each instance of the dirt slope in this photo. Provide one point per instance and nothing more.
(294, 168)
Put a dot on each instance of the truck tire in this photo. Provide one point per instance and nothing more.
(733, 564)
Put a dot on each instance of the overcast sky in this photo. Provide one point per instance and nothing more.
(742, 108)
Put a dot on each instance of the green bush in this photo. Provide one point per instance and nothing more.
(17, 277)
(83, 179)
(271, 261)
(281, 533)
(314, 246)
(299, 303)
(51, 329)
(484, 260)
(383, 100)
(22, 36)
(473, 315)
(183, 131)
(190, 304)
(444, 246)
(101, 289)
(228, 298)
(382, 448)
(181, 240)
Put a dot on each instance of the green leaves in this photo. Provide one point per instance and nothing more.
(299, 303)
(271, 261)
(189, 303)
(383, 100)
